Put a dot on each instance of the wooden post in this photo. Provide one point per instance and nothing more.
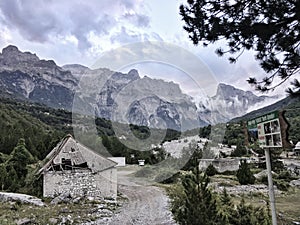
(271, 187)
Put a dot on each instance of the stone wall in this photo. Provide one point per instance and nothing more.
(81, 183)
(221, 165)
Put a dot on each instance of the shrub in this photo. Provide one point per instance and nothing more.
(285, 175)
(281, 185)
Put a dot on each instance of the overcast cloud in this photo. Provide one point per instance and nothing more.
(80, 31)
(44, 21)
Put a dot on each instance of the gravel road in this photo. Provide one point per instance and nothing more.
(147, 204)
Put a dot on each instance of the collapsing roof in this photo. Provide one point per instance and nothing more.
(71, 155)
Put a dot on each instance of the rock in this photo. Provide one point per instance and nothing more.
(6, 197)
(76, 200)
(65, 210)
(62, 198)
(66, 220)
(90, 198)
(241, 189)
(263, 173)
(24, 221)
(295, 183)
(53, 221)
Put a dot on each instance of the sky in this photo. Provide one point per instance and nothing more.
(81, 32)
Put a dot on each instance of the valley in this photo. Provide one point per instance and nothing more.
(43, 103)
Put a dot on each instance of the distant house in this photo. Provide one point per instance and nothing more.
(141, 162)
(75, 169)
(297, 148)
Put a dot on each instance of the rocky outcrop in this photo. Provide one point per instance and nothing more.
(12, 197)
(24, 75)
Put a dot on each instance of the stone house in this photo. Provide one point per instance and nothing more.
(297, 148)
(75, 169)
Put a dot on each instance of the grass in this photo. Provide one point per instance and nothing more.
(287, 204)
(78, 213)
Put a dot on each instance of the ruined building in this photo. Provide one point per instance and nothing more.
(75, 169)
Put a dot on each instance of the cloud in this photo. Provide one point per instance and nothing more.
(131, 36)
(33, 25)
(124, 37)
(137, 19)
(43, 21)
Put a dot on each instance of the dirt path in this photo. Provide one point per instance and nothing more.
(147, 204)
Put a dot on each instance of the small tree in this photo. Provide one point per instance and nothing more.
(227, 208)
(193, 153)
(197, 203)
(239, 151)
(20, 158)
(211, 170)
(249, 214)
(12, 182)
(3, 175)
(207, 152)
(244, 174)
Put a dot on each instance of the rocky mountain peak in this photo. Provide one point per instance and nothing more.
(134, 74)
(226, 91)
(9, 49)
(230, 102)
(11, 54)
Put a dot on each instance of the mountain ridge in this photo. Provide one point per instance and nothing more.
(142, 101)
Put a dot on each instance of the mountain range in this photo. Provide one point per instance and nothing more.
(122, 97)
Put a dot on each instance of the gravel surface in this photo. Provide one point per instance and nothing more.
(146, 205)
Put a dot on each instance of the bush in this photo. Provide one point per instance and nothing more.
(239, 151)
(281, 185)
(285, 175)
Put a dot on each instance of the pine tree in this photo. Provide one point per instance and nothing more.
(211, 170)
(268, 28)
(199, 206)
(226, 209)
(244, 174)
(3, 175)
(193, 203)
(20, 157)
(248, 214)
(12, 182)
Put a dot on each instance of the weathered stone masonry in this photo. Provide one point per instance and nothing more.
(81, 183)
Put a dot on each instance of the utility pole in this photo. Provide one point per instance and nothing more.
(271, 187)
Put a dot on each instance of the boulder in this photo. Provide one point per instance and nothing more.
(295, 183)
(12, 197)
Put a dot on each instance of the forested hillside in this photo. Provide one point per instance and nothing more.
(29, 131)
